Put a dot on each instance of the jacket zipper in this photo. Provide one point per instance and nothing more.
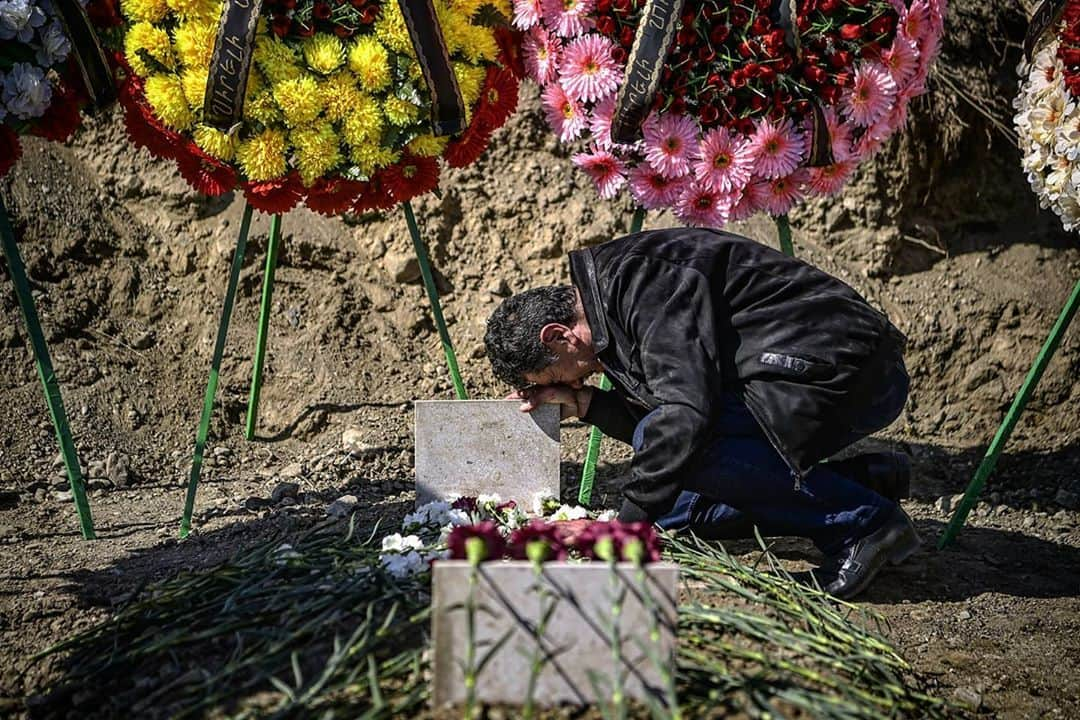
(798, 476)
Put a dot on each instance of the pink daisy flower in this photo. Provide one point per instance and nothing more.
(830, 179)
(778, 195)
(569, 18)
(541, 54)
(743, 207)
(652, 190)
(701, 207)
(776, 149)
(588, 71)
(901, 59)
(872, 139)
(872, 96)
(565, 115)
(915, 21)
(600, 122)
(526, 13)
(839, 134)
(725, 164)
(606, 170)
(671, 143)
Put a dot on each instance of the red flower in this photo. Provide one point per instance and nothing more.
(203, 172)
(605, 24)
(275, 196)
(467, 148)
(493, 543)
(62, 118)
(626, 38)
(333, 196)
(104, 13)
(374, 196)
(509, 42)
(537, 531)
(10, 149)
(882, 25)
(498, 98)
(626, 539)
(719, 34)
(851, 31)
(815, 74)
(280, 24)
(411, 176)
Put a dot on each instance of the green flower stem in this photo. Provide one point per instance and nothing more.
(264, 325)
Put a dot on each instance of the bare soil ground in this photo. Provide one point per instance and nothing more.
(129, 267)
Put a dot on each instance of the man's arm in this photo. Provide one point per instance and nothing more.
(667, 311)
(604, 409)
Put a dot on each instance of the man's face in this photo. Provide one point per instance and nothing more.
(574, 365)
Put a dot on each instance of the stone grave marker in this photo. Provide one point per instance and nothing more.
(577, 637)
(474, 447)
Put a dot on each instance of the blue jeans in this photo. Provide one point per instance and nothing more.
(740, 480)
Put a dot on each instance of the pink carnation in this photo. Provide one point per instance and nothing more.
(526, 13)
(828, 180)
(725, 163)
(701, 207)
(565, 115)
(779, 195)
(776, 149)
(670, 143)
(541, 54)
(606, 170)
(902, 59)
(589, 73)
(652, 190)
(569, 18)
(872, 96)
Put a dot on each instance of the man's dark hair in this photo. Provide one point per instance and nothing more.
(513, 331)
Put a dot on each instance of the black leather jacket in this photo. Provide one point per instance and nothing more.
(680, 316)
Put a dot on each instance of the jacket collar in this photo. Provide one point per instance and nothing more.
(583, 276)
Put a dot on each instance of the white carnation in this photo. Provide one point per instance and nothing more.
(570, 512)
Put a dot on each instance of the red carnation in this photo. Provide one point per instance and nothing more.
(203, 172)
(411, 176)
(626, 37)
(815, 74)
(275, 196)
(493, 543)
(882, 25)
(719, 34)
(104, 13)
(605, 24)
(10, 149)
(467, 148)
(62, 118)
(851, 31)
(374, 196)
(333, 196)
(537, 531)
(498, 98)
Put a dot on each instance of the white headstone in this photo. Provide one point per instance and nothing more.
(474, 447)
(509, 604)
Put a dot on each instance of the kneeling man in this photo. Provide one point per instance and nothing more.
(736, 372)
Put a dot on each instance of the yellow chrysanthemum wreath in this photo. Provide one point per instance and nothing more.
(336, 112)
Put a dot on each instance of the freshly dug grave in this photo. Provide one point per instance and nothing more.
(128, 268)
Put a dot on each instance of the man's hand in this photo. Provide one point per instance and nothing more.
(572, 402)
(569, 530)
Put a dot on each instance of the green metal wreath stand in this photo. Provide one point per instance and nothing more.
(46, 374)
(261, 339)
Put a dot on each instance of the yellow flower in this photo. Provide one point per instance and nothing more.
(400, 112)
(454, 28)
(193, 80)
(428, 145)
(260, 107)
(324, 53)
(203, 9)
(194, 42)
(166, 96)
(371, 63)
(503, 7)
(317, 150)
(390, 29)
(277, 60)
(262, 156)
(342, 95)
(143, 10)
(471, 80)
(468, 8)
(364, 123)
(148, 47)
(300, 100)
(479, 45)
(369, 157)
(214, 142)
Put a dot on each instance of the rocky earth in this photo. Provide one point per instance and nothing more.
(128, 268)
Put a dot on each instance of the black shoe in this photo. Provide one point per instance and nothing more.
(886, 473)
(850, 572)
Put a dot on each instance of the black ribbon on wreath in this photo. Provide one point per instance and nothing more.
(447, 106)
(87, 53)
(1046, 16)
(645, 64)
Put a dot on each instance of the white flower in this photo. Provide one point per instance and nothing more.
(492, 499)
(27, 93)
(514, 518)
(541, 501)
(54, 46)
(399, 543)
(404, 556)
(19, 19)
(284, 553)
(570, 512)
(607, 516)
